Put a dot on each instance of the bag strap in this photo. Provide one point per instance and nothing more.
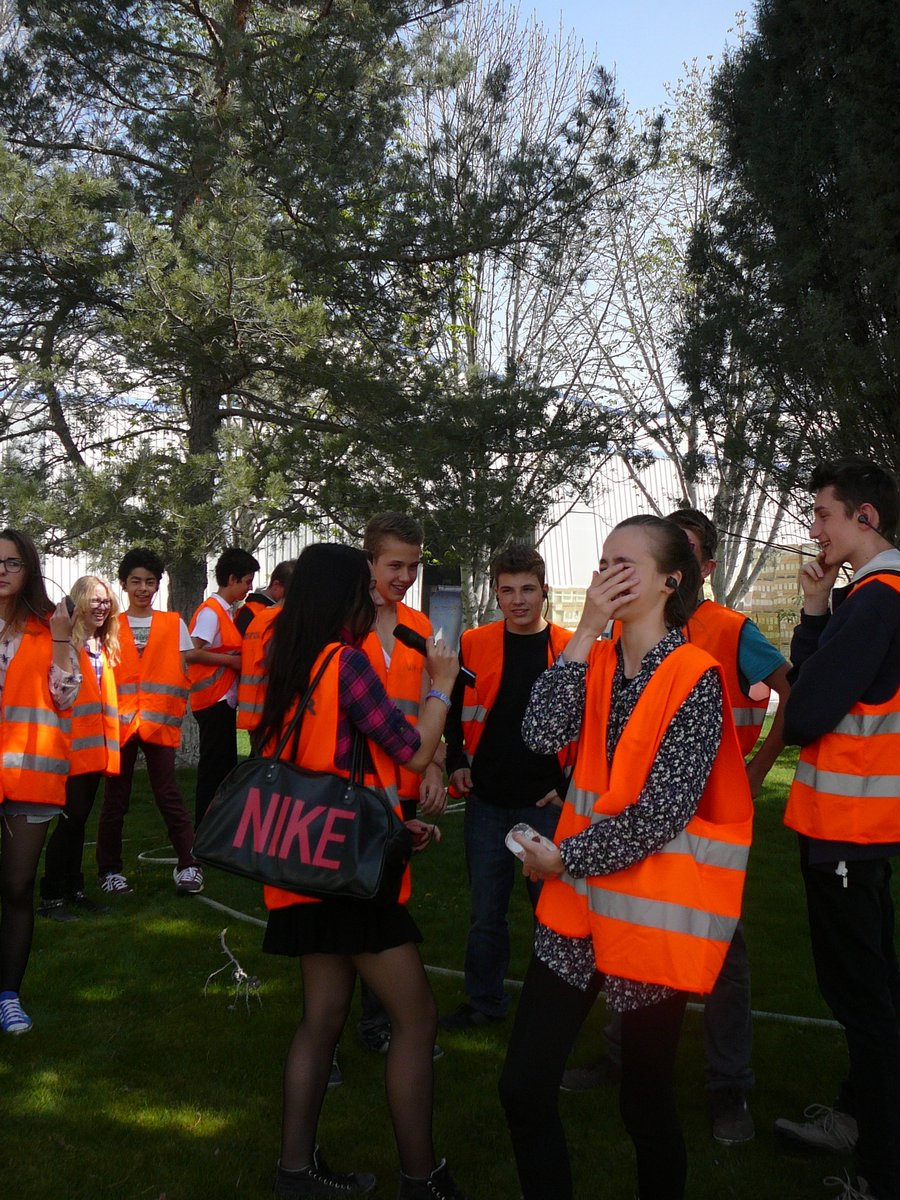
(294, 724)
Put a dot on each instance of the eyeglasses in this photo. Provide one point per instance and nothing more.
(12, 565)
(101, 604)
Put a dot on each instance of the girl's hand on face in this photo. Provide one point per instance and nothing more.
(611, 588)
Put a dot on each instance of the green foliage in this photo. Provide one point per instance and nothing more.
(799, 267)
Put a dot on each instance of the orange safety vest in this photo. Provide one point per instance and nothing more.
(481, 650)
(315, 752)
(717, 630)
(152, 688)
(34, 734)
(847, 785)
(403, 682)
(95, 720)
(670, 918)
(208, 683)
(254, 670)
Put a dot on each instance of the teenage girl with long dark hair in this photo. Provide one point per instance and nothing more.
(643, 886)
(39, 680)
(331, 601)
(95, 747)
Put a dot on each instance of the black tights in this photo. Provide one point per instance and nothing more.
(20, 851)
(398, 977)
(548, 1018)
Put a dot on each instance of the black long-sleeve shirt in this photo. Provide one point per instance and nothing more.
(848, 656)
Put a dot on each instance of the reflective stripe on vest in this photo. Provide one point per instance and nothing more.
(315, 752)
(847, 784)
(481, 650)
(152, 687)
(209, 683)
(254, 675)
(403, 682)
(34, 735)
(717, 630)
(95, 720)
(669, 918)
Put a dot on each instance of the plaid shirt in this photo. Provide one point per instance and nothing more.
(366, 706)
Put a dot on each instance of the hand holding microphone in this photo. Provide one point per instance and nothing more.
(415, 641)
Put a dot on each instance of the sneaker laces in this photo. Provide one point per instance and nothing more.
(821, 1114)
(189, 875)
(12, 1013)
(851, 1190)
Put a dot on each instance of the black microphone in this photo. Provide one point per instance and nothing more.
(416, 642)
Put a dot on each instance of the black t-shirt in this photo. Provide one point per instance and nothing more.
(246, 612)
(504, 771)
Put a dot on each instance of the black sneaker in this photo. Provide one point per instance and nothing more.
(55, 910)
(319, 1180)
(438, 1186)
(732, 1121)
(466, 1017)
(85, 903)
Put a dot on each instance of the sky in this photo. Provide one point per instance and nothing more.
(645, 41)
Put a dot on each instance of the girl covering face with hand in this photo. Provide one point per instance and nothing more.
(635, 900)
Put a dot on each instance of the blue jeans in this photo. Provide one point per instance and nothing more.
(492, 872)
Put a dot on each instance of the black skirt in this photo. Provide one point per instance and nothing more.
(339, 927)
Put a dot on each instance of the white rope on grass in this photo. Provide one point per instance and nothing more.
(451, 973)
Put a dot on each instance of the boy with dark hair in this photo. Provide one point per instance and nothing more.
(152, 686)
(504, 782)
(215, 664)
(844, 803)
(267, 597)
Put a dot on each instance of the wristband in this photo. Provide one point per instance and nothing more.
(434, 694)
(62, 641)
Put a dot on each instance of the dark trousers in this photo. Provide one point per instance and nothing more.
(117, 797)
(852, 934)
(493, 871)
(548, 1018)
(63, 875)
(218, 752)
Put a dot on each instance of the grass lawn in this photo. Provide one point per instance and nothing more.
(134, 1084)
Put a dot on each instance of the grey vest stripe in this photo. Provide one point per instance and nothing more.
(474, 712)
(708, 852)
(110, 711)
(87, 710)
(36, 762)
(250, 708)
(160, 718)
(114, 745)
(748, 716)
(88, 743)
(660, 914)
(253, 680)
(860, 786)
(705, 851)
(208, 683)
(167, 689)
(869, 724)
(126, 689)
(409, 708)
(37, 716)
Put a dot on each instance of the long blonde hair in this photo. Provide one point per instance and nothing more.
(83, 628)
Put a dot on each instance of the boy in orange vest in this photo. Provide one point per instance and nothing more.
(152, 687)
(844, 803)
(394, 542)
(214, 668)
(504, 782)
